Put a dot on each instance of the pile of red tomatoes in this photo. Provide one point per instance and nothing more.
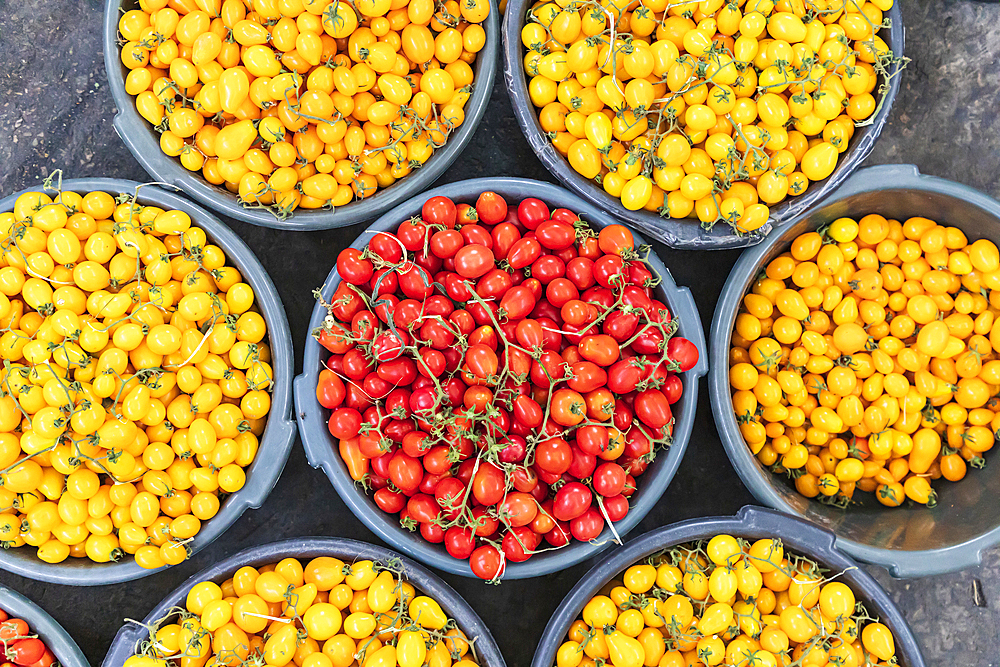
(19, 647)
(500, 377)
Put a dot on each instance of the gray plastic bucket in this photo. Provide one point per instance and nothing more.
(909, 541)
(321, 449)
(276, 441)
(48, 630)
(685, 234)
(144, 143)
(751, 523)
(422, 579)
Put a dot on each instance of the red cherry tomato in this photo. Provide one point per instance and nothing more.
(13, 628)
(432, 532)
(609, 479)
(494, 284)
(565, 215)
(623, 376)
(519, 544)
(488, 485)
(439, 211)
(412, 235)
(572, 500)
(553, 456)
(387, 247)
(345, 423)
(517, 303)
(615, 240)
(473, 261)
(330, 390)
(485, 562)
(405, 472)
(517, 509)
(459, 542)
(491, 208)
(672, 388)
(532, 212)
(616, 507)
(609, 270)
(446, 243)
(601, 349)
(547, 268)
(25, 651)
(587, 526)
(652, 407)
(389, 501)
(524, 252)
(683, 352)
(354, 268)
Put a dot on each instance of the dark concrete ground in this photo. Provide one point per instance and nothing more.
(56, 111)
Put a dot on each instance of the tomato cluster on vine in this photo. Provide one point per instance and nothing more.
(500, 377)
(19, 647)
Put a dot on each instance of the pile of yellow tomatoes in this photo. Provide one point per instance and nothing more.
(865, 358)
(135, 378)
(302, 103)
(713, 109)
(725, 601)
(327, 613)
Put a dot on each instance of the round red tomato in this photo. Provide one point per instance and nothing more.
(517, 509)
(553, 456)
(683, 352)
(354, 268)
(473, 261)
(387, 247)
(446, 243)
(491, 208)
(532, 212)
(439, 211)
(587, 526)
(488, 484)
(485, 562)
(555, 235)
(345, 423)
(459, 542)
(519, 544)
(652, 407)
(405, 472)
(25, 651)
(609, 479)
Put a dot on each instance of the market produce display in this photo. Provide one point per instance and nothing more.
(136, 378)
(865, 358)
(726, 601)
(707, 110)
(500, 375)
(322, 613)
(20, 647)
(302, 103)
